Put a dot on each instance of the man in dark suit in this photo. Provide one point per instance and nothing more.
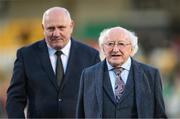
(34, 81)
(119, 86)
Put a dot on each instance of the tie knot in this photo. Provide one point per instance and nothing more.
(118, 70)
(58, 53)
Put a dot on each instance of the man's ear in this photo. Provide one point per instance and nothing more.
(72, 24)
(102, 48)
(42, 26)
(132, 52)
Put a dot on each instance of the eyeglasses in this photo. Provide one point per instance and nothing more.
(119, 44)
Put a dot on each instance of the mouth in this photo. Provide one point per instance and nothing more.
(115, 55)
(56, 39)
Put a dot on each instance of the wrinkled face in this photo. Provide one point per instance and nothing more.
(57, 28)
(117, 47)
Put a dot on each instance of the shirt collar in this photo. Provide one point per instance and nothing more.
(65, 50)
(126, 65)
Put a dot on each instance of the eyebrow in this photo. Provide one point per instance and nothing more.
(119, 41)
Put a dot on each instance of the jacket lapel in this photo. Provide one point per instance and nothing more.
(71, 63)
(107, 84)
(99, 85)
(142, 90)
(46, 63)
(128, 87)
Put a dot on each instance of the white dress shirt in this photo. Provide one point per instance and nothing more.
(124, 74)
(64, 56)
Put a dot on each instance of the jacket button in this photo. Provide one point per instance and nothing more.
(60, 100)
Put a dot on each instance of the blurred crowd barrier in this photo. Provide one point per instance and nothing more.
(18, 33)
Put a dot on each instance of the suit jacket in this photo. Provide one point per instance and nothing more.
(33, 81)
(148, 91)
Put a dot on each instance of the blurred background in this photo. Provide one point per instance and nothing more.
(156, 23)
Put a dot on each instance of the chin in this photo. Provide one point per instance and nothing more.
(57, 47)
(116, 63)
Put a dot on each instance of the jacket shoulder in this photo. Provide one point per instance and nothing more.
(147, 70)
(32, 46)
(94, 68)
(145, 67)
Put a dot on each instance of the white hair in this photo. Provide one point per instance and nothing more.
(132, 37)
(55, 8)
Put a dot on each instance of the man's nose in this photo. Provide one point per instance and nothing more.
(56, 32)
(115, 48)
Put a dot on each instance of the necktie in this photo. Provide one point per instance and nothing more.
(119, 84)
(59, 68)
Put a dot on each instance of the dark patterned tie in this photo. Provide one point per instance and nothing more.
(119, 84)
(59, 68)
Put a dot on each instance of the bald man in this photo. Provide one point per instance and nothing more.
(34, 82)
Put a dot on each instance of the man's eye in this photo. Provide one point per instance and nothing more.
(121, 44)
(111, 44)
(61, 27)
(50, 28)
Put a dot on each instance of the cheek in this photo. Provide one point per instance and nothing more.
(47, 34)
(68, 33)
(64, 34)
(106, 53)
(127, 53)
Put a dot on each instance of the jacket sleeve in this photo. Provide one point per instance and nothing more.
(80, 102)
(16, 93)
(159, 102)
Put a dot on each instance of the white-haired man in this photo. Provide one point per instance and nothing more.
(119, 86)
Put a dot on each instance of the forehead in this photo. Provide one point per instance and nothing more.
(56, 17)
(118, 35)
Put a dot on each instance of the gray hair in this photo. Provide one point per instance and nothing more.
(56, 8)
(133, 38)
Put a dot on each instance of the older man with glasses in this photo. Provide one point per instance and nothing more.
(119, 86)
